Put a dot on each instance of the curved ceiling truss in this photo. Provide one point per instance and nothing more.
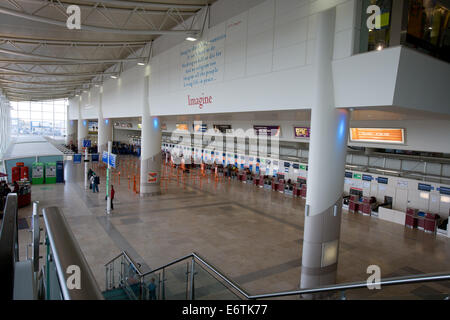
(36, 64)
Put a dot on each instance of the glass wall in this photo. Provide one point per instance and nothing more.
(429, 27)
(420, 24)
(43, 118)
(377, 38)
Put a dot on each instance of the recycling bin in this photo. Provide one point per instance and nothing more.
(60, 171)
(50, 172)
(37, 173)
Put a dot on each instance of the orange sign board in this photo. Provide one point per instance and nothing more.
(380, 135)
(182, 127)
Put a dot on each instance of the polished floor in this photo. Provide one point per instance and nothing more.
(253, 235)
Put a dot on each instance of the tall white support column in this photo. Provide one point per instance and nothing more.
(82, 127)
(104, 127)
(327, 153)
(150, 147)
(71, 132)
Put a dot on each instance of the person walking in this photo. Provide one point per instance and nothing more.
(112, 193)
(152, 290)
(91, 180)
(96, 183)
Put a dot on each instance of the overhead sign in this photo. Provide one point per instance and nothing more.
(105, 157)
(182, 127)
(77, 158)
(86, 143)
(273, 131)
(424, 187)
(95, 157)
(224, 128)
(200, 127)
(112, 160)
(302, 132)
(377, 135)
(382, 180)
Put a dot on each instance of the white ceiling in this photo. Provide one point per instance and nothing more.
(54, 61)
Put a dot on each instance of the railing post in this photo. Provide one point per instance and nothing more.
(106, 278)
(163, 289)
(192, 293)
(343, 297)
(141, 288)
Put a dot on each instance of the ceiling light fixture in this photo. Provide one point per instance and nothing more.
(141, 64)
(191, 39)
(113, 77)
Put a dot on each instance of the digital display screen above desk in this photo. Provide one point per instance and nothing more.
(377, 135)
(348, 174)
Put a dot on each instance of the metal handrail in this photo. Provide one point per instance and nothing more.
(66, 252)
(9, 247)
(443, 276)
(130, 260)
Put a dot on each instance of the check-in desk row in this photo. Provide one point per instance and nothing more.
(425, 221)
(363, 205)
(296, 189)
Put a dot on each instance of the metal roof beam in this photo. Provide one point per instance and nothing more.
(80, 61)
(12, 72)
(74, 42)
(31, 17)
(163, 7)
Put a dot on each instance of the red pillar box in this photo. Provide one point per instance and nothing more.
(430, 222)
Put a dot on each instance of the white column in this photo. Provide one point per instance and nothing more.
(82, 127)
(71, 132)
(327, 153)
(104, 127)
(150, 147)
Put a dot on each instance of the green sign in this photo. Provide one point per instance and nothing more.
(303, 167)
(107, 182)
(357, 176)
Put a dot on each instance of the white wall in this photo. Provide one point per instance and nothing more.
(123, 97)
(261, 62)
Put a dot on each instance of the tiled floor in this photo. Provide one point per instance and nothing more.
(252, 235)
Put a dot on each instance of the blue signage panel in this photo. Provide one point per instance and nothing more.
(382, 180)
(105, 157)
(95, 157)
(348, 174)
(367, 177)
(112, 160)
(444, 190)
(77, 158)
(424, 187)
(86, 143)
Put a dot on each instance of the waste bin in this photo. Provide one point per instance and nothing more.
(60, 171)
(50, 172)
(37, 173)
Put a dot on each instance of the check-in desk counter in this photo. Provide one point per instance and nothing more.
(423, 221)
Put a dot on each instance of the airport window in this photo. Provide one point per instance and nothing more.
(420, 24)
(47, 118)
